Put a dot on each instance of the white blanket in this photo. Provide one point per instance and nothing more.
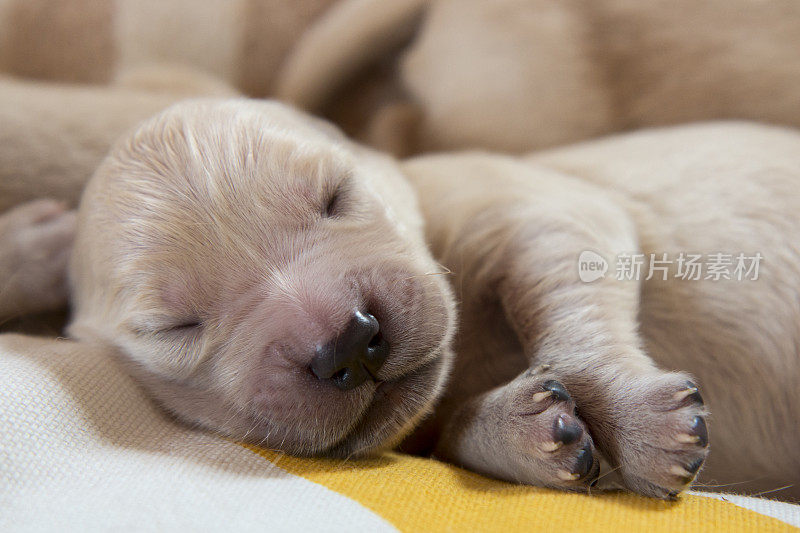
(83, 448)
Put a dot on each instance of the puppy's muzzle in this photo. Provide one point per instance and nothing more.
(354, 356)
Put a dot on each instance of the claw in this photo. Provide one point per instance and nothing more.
(550, 447)
(585, 461)
(691, 390)
(699, 433)
(538, 370)
(685, 438)
(567, 476)
(694, 466)
(539, 396)
(680, 472)
(681, 394)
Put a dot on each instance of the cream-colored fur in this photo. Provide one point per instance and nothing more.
(35, 244)
(339, 44)
(512, 231)
(52, 137)
(509, 75)
(516, 75)
(209, 215)
(206, 254)
(242, 42)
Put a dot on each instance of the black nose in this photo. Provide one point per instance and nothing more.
(354, 356)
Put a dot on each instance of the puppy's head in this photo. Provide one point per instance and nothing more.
(264, 278)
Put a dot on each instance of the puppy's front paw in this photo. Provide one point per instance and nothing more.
(659, 437)
(546, 427)
(533, 435)
(35, 242)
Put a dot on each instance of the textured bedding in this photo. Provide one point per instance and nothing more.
(82, 448)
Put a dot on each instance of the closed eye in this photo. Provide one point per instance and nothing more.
(334, 205)
(182, 328)
(331, 206)
(165, 327)
(180, 334)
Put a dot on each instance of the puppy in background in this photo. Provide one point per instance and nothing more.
(265, 278)
(35, 243)
(52, 137)
(415, 76)
(100, 41)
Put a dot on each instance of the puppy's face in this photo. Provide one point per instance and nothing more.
(264, 278)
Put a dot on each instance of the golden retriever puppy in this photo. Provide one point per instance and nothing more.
(516, 75)
(52, 137)
(264, 278)
(267, 279)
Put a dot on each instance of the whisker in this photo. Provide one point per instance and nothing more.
(447, 272)
(756, 495)
(707, 485)
(598, 478)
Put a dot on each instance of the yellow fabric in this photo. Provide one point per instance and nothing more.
(416, 494)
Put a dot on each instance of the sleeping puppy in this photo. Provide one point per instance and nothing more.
(264, 278)
(267, 279)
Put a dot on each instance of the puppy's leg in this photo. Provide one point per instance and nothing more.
(35, 242)
(649, 423)
(516, 241)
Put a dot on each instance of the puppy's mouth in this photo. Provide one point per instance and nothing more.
(395, 410)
